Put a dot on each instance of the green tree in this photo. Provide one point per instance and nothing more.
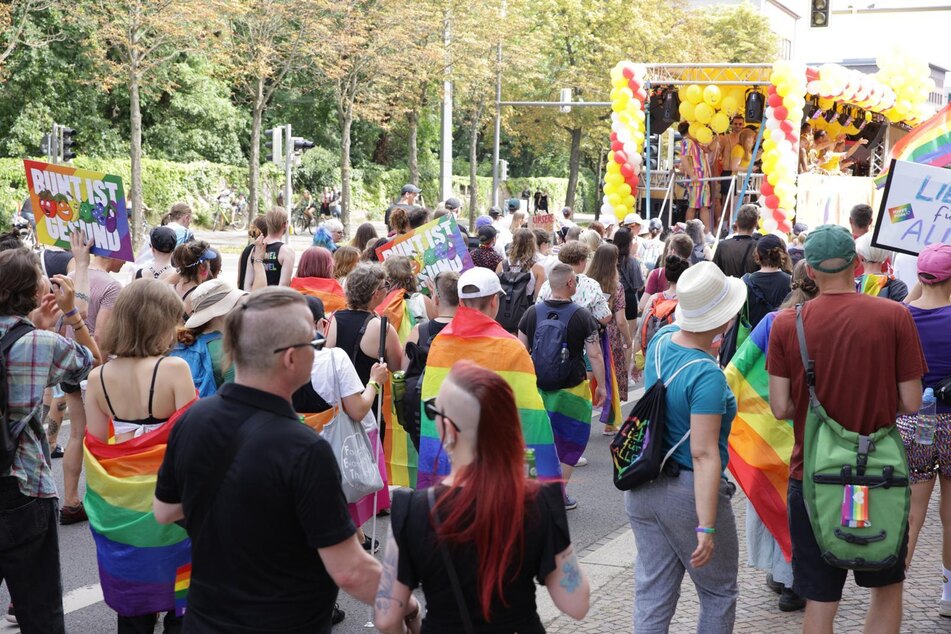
(18, 28)
(736, 33)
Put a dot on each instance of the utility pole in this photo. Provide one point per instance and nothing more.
(445, 134)
(498, 115)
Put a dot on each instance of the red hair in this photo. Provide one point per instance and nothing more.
(316, 262)
(486, 506)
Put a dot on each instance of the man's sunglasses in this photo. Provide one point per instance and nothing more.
(316, 344)
(429, 406)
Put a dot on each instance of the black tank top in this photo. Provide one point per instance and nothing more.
(272, 266)
(349, 325)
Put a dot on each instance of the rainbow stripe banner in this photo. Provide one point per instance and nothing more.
(328, 291)
(870, 284)
(474, 337)
(144, 567)
(611, 407)
(928, 143)
(569, 410)
(401, 456)
(760, 445)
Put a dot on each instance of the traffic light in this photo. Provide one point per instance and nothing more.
(654, 143)
(66, 146)
(820, 14)
(301, 144)
(45, 145)
(273, 142)
(503, 170)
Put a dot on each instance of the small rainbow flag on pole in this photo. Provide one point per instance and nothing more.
(760, 445)
(144, 567)
(326, 290)
(474, 337)
(611, 407)
(401, 456)
(928, 144)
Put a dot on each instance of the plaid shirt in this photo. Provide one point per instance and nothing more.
(37, 360)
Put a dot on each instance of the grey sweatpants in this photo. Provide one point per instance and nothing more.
(663, 517)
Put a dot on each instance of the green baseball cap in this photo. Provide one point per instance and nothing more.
(830, 242)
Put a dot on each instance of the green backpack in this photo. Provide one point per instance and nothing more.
(855, 487)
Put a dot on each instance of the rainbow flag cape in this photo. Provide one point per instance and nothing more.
(611, 407)
(144, 567)
(570, 412)
(401, 456)
(928, 143)
(474, 337)
(870, 284)
(328, 291)
(760, 445)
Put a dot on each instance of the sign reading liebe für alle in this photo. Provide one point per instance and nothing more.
(916, 208)
(434, 247)
(67, 199)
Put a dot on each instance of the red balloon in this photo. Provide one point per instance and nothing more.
(640, 95)
(786, 127)
(771, 90)
(633, 181)
(791, 138)
(620, 157)
(627, 172)
(634, 85)
(780, 113)
(775, 100)
(765, 188)
(617, 146)
(628, 73)
(614, 136)
(772, 201)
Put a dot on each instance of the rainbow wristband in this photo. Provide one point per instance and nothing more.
(71, 313)
(704, 529)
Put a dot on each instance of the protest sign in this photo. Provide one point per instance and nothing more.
(434, 247)
(545, 222)
(916, 208)
(66, 198)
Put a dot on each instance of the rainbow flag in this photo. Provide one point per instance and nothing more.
(328, 291)
(870, 284)
(928, 143)
(144, 567)
(401, 456)
(474, 337)
(760, 445)
(569, 410)
(611, 407)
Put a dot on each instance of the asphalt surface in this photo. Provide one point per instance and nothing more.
(600, 512)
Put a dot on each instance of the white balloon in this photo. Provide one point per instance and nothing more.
(623, 135)
(615, 118)
(630, 149)
(604, 199)
(772, 124)
(635, 159)
(636, 168)
(606, 208)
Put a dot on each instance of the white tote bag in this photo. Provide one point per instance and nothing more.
(359, 474)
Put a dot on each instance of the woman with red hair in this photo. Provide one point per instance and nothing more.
(477, 542)
(315, 277)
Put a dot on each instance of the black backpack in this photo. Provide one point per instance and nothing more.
(517, 299)
(417, 353)
(550, 355)
(9, 438)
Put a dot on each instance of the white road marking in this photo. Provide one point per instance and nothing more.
(82, 597)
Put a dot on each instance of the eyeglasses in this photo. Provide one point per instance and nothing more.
(429, 406)
(317, 344)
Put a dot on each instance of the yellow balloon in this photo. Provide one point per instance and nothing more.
(614, 199)
(711, 96)
(703, 113)
(720, 122)
(693, 94)
(629, 202)
(728, 105)
(704, 135)
(620, 211)
(624, 189)
(687, 111)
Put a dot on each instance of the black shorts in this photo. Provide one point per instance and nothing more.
(813, 578)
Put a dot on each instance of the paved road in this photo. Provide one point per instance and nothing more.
(600, 511)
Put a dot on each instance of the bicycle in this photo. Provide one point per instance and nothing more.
(229, 216)
(302, 222)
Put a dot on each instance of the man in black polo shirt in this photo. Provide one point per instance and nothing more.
(260, 492)
(734, 255)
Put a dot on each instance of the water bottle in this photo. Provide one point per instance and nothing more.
(924, 431)
(564, 352)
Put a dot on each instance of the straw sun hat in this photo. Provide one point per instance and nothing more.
(707, 299)
(211, 299)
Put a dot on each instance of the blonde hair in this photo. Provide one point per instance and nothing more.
(523, 249)
(518, 221)
(275, 219)
(345, 259)
(144, 320)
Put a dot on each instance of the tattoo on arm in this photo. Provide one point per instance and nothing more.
(572, 574)
(384, 595)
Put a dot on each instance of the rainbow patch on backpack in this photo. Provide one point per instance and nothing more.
(901, 213)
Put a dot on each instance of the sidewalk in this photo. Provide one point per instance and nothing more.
(610, 568)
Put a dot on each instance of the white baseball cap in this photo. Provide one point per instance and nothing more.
(633, 219)
(486, 283)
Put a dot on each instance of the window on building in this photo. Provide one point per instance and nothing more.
(785, 49)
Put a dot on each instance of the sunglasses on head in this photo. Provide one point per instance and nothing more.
(429, 406)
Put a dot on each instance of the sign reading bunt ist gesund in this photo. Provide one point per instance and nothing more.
(434, 247)
(916, 208)
(67, 199)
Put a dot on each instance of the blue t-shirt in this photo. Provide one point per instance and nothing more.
(699, 389)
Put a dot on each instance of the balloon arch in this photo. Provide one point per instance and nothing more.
(710, 94)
